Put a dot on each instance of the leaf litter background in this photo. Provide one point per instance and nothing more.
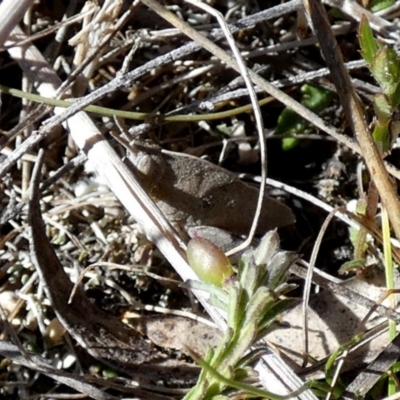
(87, 226)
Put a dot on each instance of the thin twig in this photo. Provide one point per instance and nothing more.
(257, 114)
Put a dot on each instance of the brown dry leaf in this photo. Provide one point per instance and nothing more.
(179, 333)
(333, 320)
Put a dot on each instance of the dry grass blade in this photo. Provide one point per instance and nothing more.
(363, 383)
(308, 281)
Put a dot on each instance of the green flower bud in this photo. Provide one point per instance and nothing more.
(208, 261)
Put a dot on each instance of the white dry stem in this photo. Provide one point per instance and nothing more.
(11, 12)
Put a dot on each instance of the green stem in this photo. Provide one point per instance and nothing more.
(389, 273)
(248, 388)
(132, 114)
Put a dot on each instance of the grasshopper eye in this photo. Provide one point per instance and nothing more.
(208, 261)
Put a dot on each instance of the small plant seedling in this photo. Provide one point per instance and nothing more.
(314, 98)
(252, 303)
(384, 65)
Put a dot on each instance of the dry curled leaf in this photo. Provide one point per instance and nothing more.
(333, 320)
